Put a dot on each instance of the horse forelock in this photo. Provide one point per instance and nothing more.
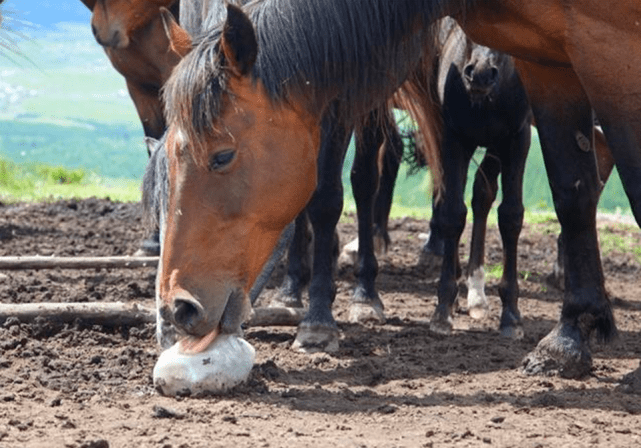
(193, 98)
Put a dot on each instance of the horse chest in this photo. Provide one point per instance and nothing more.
(484, 123)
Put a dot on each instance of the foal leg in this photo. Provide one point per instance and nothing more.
(514, 155)
(318, 330)
(484, 193)
(366, 304)
(450, 219)
(562, 113)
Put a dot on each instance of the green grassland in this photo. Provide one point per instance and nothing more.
(63, 105)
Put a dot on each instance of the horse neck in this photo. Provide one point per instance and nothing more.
(358, 53)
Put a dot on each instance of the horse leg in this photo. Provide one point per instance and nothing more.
(318, 330)
(605, 163)
(298, 266)
(366, 304)
(391, 161)
(484, 193)
(563, 114)
(511, 211)
(450, 220)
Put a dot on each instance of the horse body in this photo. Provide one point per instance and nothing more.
(298, 91)
(483, 104)
(143, 53)
(248, 122)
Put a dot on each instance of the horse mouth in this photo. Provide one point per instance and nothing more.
(192, 345)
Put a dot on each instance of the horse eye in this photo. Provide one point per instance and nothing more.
(221, 159)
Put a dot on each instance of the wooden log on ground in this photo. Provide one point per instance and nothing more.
(118, 313)
(16, 263)
(109, 313)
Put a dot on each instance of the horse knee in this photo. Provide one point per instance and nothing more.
(510, 219)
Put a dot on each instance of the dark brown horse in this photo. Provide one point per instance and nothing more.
(244, 127)
(134, 37)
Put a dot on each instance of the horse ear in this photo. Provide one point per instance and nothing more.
(238, 42)
(179, 39)
(88, 3)
(152, 145)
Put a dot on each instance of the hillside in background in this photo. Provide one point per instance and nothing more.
(61, 102)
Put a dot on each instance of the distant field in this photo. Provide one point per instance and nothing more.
(62, 103)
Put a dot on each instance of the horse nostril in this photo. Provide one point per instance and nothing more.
(494, 74)
(186, 313)
(468, 72)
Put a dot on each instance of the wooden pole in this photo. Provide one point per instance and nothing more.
(16, 263)
(118, 313)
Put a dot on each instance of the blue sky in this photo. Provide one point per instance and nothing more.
(46, 13)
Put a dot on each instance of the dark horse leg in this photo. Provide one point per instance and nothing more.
(510, 212)
(449, 218)
(391, 160)
(563, 115)
(605, 163)
(318, 330)
(298, 265)
(366, 305)
(484, 193)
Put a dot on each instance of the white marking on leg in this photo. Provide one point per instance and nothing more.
(476, 300)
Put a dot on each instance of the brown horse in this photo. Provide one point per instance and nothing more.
(244, 127)
(134, 36)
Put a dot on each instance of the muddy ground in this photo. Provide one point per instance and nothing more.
(392, 385)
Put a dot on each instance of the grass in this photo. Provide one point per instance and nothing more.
(39, 182)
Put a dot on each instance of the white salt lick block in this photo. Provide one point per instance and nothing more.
(224, 364)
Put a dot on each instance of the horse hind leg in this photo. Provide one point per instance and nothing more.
(605, 163)
(318, 330)
(484, 193)
(562, 110)
(450, 219)
(366, 303)
(392, 154)
(298, 273)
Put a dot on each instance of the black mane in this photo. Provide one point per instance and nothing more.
(355, 51)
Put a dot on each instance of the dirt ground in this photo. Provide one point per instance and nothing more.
(392, 385)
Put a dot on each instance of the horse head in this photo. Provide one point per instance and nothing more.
(483, 70)
(114, 21)
(241, 166)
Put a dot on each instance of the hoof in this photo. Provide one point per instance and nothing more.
(430, 262)
(316, 338)
(441, 326)
(349, 254)
(631, 383)
(286, 301)
(148, 251)
(478, 312)
(514, 332)
(560, 352)
(360, 313)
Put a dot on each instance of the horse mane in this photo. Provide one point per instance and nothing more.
(354, 52)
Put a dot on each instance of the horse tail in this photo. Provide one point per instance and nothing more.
(418, 96)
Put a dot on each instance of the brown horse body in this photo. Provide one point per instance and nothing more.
(135, 39)
(242, 142)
